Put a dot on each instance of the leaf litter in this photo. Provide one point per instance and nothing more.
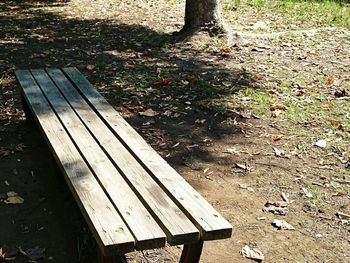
(315, 58)
(13, 198)
(252, 253)
(282, 225)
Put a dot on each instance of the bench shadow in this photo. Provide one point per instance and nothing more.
(135, 68)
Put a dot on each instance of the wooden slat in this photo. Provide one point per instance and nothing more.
(176, 225)
(110, 231)
(211, 224)
(144, 228)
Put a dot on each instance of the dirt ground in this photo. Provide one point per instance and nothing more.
(209, 127)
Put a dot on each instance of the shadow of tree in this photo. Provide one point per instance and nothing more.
(129, 65)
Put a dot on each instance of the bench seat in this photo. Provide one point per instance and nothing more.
(131, 198)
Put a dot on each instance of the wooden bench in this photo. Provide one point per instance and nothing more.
(131, 198)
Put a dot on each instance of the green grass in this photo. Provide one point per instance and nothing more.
(317, 13)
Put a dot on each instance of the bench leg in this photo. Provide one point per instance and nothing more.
(101, 258)
(191, 253)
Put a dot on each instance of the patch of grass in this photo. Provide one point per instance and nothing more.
(318, 13)
(318, 198)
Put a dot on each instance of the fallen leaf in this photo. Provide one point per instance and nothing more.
(276, 113)
(245, 114)
(90, 67)
(4, 152)
(163, 82)
(200, 121)
(278, 106)
(35, 253)
(277, 203)
(246, 187)
(330, 80)
(241, 166)
(342, 215)
(313, 52)
(8, 253)
(335, 122)
(261, 48)
(226, 50)
(232, 151)
(276, 137)
(321, 143)
(307, 192)
(272, 92)
(277, 208)
(191, 78)
(13, 198)
(281, 224)
(148, 113)
(339, 194)
(11, 69)
(277, 152)
(327, 106)
(252, 253)
(20, 147)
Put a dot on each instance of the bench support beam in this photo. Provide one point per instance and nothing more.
(191, 253)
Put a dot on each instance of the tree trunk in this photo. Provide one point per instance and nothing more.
(202, 15)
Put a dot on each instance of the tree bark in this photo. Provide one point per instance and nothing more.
(202, 15)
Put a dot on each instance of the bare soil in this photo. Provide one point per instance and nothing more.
(125, 50)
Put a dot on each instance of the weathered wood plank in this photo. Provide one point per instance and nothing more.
(176, 225)
(110, 231)
(144, 228)
(211, 224)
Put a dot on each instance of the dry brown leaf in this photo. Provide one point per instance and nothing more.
(278, 106)
(276, 113)
(226, 50)
(330, 80)
(13, 198)
(272, 92)
(11, 69)
(148, 113)
(276, 137)
(163, 82)
(135, 109)
(90, 67)
(327, 106)
(252, 253)
(4, 152)
(20, 147)
(191, 78)
(339, 194)
(335, 122)
(8, 253)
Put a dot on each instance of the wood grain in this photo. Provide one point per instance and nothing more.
(210, 223)
(107, 226)
(144, 228)
(175, 224)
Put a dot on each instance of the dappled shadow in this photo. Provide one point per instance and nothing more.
(133, 66)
